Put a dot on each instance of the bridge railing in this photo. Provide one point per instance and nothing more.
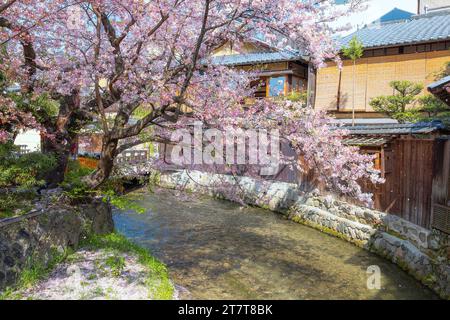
(132, 157)
(22, 150)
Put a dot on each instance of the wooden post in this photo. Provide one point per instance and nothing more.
(311, 91)
(354, 93)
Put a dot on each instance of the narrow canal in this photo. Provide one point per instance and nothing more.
(218, 250)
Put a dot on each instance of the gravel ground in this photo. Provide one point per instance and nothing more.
(94, 275)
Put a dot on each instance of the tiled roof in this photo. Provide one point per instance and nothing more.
(441, 89)
(255, 58)
(365, 141)
(439, 84)
(421, 28)
(396, 129)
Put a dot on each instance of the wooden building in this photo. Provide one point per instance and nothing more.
(280, 72)
(414, 49)
(414, 159)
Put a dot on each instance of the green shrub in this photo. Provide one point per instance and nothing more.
(73, 184)
(111, 191)
(297, 97)
(433, 108)
(400, 105)
(20, 176)
(24, 171)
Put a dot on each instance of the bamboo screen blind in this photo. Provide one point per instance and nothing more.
(373, 76)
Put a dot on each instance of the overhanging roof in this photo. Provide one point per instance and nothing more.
(366, 141)
(441, 89)
(419, 29)
(256, 58)
(396, 129)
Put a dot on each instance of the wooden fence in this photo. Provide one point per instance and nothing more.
(417, 173)
(408, 170)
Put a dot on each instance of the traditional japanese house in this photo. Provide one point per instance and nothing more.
(414, 49)
(414, 160)
(280, 71)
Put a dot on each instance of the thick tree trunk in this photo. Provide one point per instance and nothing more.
(105, 165)
(60, 147)
(63, 135)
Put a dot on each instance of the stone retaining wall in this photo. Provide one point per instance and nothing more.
(39, 236)
(423, 253)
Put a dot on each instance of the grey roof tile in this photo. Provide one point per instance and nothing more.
(366, 141)
(422, 28)
(441, 89)
(396, 129)
(440, 83)
(255, 58)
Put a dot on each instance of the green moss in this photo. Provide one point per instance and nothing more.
(154, 178)
(396, 234)
(429, 280)
(264, 206)
(327, 230)
(158, 281)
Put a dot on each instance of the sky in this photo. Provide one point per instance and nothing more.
(376, 9)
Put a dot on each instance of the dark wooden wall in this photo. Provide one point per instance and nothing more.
(408, 169)
(441, 186)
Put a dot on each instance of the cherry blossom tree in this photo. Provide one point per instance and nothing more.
(100, 56)
(24, 44)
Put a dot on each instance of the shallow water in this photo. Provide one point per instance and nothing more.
(218, 250)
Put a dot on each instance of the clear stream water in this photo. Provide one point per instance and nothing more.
(218, 250)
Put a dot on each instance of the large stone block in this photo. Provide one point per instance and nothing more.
(38, 236)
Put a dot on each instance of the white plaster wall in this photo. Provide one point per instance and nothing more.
(30, 138)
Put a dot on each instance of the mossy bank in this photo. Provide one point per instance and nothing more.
(34, 245)
(106, 267)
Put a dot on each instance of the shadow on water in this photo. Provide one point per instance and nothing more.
(217, 250)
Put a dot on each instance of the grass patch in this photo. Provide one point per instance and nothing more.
(158, 281)
(116, 264)
(160, 287)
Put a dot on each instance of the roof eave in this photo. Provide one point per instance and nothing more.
(252, 63)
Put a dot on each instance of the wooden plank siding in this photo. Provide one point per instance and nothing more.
(441, 186)
(408, 171)
(441, 173)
